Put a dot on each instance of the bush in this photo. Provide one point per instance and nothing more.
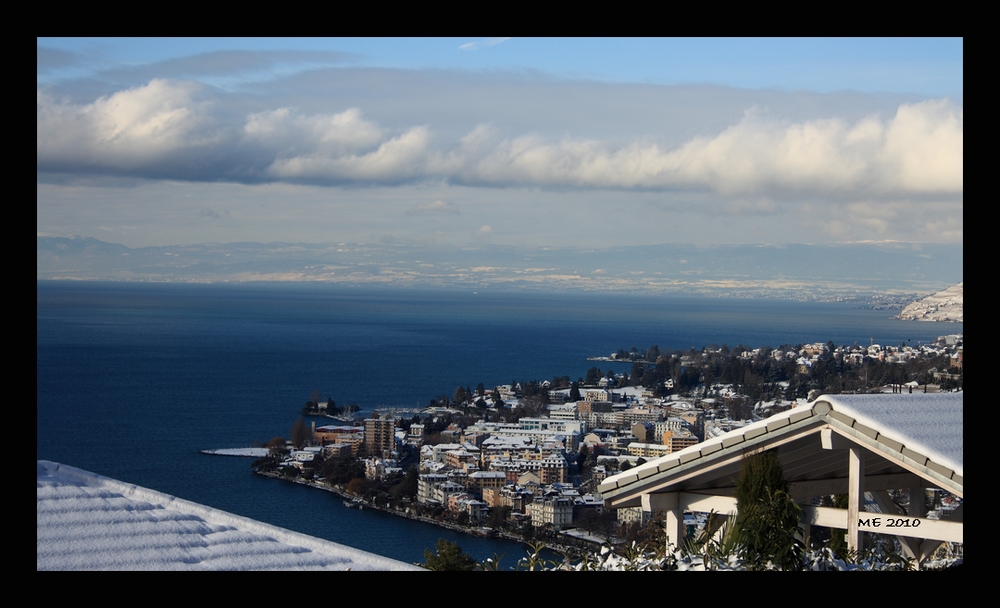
(449, 557)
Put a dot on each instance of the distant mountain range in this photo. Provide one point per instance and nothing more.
(898, 271)
(945, 305)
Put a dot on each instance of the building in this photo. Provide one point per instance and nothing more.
(838, 444)
(678, 440)
(340, 436)
(380, 437)
(556, 511)
(647, 450)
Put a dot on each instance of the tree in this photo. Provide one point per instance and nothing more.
(300, 434)
(767, 518)
(449, 557)
(277, 446)
(357, 486)
(653, 353)
(408, 488)
(574, 392)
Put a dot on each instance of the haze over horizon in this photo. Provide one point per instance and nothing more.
(489, 143)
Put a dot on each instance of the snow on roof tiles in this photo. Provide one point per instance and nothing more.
(923, 423)
(89, 522)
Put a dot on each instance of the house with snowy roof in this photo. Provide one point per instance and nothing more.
(858, 445)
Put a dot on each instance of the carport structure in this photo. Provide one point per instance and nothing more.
(839, 444)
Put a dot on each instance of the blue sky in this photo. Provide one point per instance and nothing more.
(472, 141)
(899, 65)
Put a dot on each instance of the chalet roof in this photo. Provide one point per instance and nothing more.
(920, 434)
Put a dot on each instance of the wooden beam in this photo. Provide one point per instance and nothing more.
(915, 527)
(839, 485)
(725, 505)
(689, 501)
(824, 516)
(880, 523)
(833, 441)
(666, 501)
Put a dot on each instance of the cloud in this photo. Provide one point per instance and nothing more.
(286, 132)
(183, 130)
(129, 130)
(478, 44)
(437, 207)
(227, 62)
(919, 150)
(396, 160)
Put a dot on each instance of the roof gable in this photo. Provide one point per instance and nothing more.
(916, 434)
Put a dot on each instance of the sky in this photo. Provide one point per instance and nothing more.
(475, 142)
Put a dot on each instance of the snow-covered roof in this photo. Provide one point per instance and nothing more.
(927, 423)
(89, 522)
(918, 433)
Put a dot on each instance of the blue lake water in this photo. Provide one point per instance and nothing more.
(134, 379)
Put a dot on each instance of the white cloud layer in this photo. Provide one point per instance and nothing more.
(435, 156)
(166, 127)
(919, 150)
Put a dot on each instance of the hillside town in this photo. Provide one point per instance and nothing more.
(525, 459)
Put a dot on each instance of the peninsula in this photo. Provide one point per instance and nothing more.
(524, 460)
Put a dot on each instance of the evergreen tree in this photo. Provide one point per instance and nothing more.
(768, 518)
(574, 392)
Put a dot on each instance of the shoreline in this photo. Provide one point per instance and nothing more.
(342, 493)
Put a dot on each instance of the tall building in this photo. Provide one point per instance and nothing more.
(380, 437)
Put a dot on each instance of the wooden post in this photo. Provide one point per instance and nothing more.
(675, 527)
(855, 496)
(918, 506)
(669, 503)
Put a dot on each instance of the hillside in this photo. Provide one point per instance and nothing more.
(943, 306)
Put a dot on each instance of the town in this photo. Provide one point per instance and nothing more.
(524, 460)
